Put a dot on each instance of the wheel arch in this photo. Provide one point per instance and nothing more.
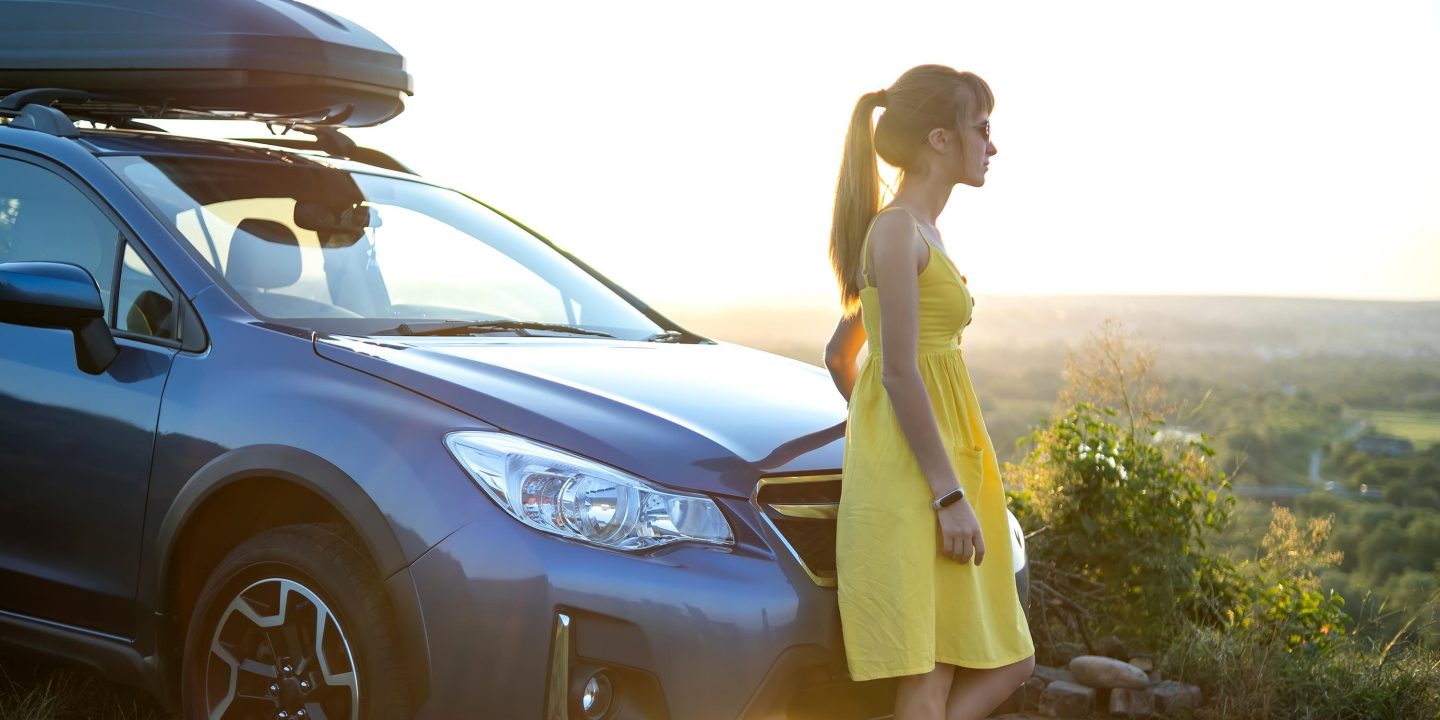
(247, 490)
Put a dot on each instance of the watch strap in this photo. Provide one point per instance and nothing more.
(948, 499)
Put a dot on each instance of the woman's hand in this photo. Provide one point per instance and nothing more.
(960, 533)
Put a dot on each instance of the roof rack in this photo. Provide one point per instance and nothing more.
(54, 110)
(333, 143)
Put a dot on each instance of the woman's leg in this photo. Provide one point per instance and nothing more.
(975, 693)
(922, 697)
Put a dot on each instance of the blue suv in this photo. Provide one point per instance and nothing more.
(290, 432)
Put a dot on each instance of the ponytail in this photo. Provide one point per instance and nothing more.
(857, 200)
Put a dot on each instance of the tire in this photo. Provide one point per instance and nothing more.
(261, 612)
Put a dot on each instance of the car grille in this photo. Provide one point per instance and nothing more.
(802, 511)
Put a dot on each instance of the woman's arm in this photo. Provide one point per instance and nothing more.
(840, 353)
(898, 253)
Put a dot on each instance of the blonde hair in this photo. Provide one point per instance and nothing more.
(923, 98)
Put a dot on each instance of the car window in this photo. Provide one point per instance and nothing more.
(45, 218)
(214, 228)
(432, 264)
(428, 263)
(337, 251)
(145, 306)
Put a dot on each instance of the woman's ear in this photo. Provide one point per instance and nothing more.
(939, 140)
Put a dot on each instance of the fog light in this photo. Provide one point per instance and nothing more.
(595, 700)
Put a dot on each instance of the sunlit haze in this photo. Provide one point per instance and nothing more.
(689, 150)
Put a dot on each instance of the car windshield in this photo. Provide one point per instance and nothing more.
(353, 253)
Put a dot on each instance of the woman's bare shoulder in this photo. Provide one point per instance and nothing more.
(894, 237)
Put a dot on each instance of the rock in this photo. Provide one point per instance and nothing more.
(1033, 687)
(1026, 697)
(1132, 703)
(1173, 696)
(1114, 647)
(1050, 674)
(1066, 700)
(1144, 662)
(1154, 676)
(1064, 652)
(1103, 672)
(1013, 704)
(1018, 716)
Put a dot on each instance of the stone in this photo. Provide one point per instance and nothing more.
(1113, 647)
(1103, 672)
(1154, 676)
(1033, 687)
(1051, 674)
(1025, 697)
(1013, 704)
(1066, 700)
(1132, 703)
(1144, 662)
(1172, 696)
(1064, 652)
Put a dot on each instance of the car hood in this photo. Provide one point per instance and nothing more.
(708, 417)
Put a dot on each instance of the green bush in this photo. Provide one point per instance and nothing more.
(1123, 545)
(1127, 519)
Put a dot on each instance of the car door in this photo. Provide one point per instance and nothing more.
(75, 448)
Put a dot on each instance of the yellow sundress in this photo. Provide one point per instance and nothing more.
(904, 606)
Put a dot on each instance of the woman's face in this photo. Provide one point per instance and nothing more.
(975, 151)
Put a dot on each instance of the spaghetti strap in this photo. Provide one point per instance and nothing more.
(865, 243)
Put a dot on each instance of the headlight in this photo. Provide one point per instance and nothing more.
(552, 490)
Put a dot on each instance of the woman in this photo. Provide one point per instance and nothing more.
(922, 502)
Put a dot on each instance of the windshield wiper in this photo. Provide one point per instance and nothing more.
(477, 327)
(671, 336)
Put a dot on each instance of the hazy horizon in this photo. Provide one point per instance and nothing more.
(760, 302)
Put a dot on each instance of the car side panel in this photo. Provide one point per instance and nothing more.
(75, 451)
(261, 403)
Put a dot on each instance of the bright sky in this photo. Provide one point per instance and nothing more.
(689, 150)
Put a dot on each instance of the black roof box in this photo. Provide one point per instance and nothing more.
(276, 60)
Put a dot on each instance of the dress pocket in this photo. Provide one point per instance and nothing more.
(969, 464)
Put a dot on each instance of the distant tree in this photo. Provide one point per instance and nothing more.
(1399, 492)
(1367, 475)
(1425, 497)
(1425, 473)
(1381, 552)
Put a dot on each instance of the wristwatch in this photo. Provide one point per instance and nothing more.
(948, 499)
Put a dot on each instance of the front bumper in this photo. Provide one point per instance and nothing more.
(686, 632)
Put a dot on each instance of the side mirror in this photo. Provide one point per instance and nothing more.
(59, 295)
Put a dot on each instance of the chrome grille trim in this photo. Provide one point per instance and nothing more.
(819, 511)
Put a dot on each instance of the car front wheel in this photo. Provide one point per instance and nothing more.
(293, 624)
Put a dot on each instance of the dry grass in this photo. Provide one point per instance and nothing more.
(31, 691)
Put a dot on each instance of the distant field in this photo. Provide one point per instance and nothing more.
(1422, 428)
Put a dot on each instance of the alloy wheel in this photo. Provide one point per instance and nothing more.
(279, 652)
